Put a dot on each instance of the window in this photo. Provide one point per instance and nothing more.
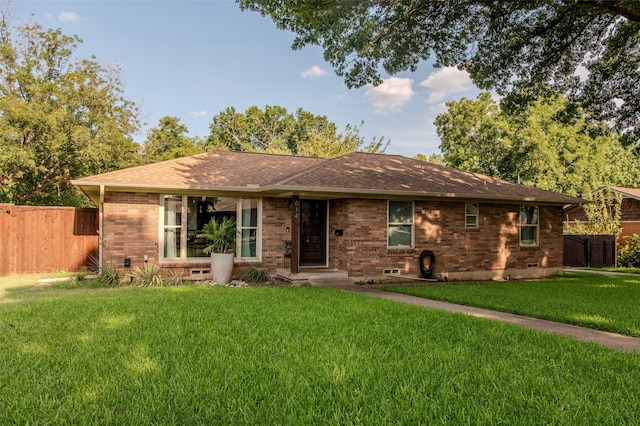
(529, 225)
(185, 216)
(400, 225)
(471, 215)
(172, 225)
(249, 228)
(200, 210)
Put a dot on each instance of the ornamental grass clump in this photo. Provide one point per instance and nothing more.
(148, 276)
(109, 275)
(257, 274)
(175, 278)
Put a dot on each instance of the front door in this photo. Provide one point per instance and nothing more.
(313, 233)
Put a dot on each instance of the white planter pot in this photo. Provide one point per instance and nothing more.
(221, 267)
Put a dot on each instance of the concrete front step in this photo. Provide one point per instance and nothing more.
(308, 274)
(331, 282)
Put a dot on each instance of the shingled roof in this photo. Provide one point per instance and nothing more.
(352, 175)
(627, 192)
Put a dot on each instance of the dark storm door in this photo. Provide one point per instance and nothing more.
(313, 233)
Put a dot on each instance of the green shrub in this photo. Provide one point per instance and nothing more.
(148, 276)
(109, 275)
(256, 274)
(629, 254)
(175, 278)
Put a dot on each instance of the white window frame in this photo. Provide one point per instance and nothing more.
(241, 226)
(468, 215)
(412, 224)
(522, 225)
(183, 231)
(162, 226)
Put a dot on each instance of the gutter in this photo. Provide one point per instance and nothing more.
(286, 191)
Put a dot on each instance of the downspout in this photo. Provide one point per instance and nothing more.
(100, 226)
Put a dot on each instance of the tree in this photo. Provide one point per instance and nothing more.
(274, 130)
(585, 48)
(603, 215)
(168, 141)
(473, 137)
(60, 117)
(547, 145)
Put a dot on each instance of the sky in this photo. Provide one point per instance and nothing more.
(194, 59)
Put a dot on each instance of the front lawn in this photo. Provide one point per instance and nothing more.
(622, 270)
(607, 303)
(265, 355)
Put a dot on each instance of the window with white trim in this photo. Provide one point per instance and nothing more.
(183, 218)
(400, 224)
(248, 228)
(471, 213)
(529, 225)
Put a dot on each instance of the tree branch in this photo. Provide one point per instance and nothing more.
(628, 9)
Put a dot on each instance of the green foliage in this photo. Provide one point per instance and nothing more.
(585, 299)
(276, 131)
(264, 355)
(474, 138)
(629, 252)
(109, 275)
(256, 274)
(168, 141)
(221, 236)
(549, 145)
(60, 117)
(588, 49)
(603, 215)
(147, 276)
(176, 277)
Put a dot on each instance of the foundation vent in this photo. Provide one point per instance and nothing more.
(532, 265)
(200, 272)
(391, 271)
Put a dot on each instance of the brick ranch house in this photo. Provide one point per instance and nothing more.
(629, 211)
(366, 214)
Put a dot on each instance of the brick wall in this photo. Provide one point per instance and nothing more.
(630, 210)
(276, 229)
(130, 228)
(493, 250)
(628, 229)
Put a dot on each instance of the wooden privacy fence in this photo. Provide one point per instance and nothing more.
(46, 239)
(596, 251)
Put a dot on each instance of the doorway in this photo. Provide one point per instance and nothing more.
(313, 233)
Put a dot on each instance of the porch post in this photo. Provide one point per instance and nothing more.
(295, 233)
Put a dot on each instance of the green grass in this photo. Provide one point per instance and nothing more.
(623, 270)
(290, 355)
(607, 303)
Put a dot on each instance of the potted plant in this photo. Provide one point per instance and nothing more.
(221, 237)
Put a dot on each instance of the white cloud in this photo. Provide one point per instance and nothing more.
(445, 82)
(313, 72)
(198, 113)
(69, 17)
(389, 96)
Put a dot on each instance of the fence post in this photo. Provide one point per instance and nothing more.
(587, 251)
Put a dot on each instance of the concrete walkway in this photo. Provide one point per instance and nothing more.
(611, 340)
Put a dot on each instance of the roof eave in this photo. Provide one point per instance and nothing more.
(376, 193)
(92, 189)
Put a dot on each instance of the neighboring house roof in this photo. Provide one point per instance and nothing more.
(627, 192)
(354, 174)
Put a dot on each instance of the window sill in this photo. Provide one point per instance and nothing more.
(401, 250)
